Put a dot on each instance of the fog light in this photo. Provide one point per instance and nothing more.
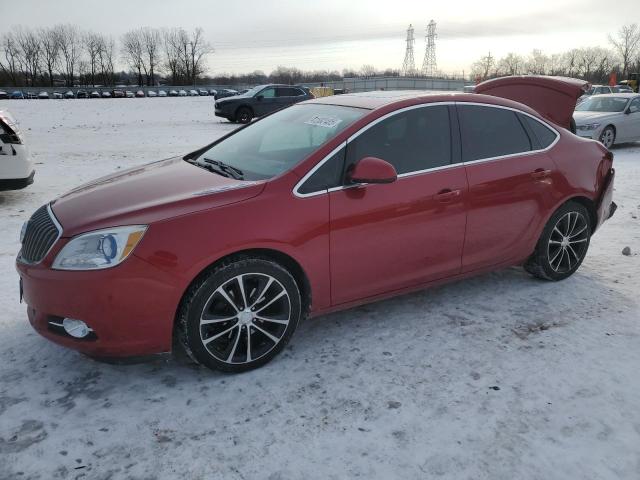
(76, 328)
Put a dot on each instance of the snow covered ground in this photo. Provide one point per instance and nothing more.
(497, 377)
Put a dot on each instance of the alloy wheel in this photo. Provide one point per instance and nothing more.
(607, 137)
(245, 318)
(568, 242)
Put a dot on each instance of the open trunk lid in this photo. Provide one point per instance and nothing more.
(552, 97)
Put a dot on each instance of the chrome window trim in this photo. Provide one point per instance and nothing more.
(58, 227)
(427, 170)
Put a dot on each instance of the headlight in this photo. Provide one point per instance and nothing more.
(100, 249)
(588, 126)
(23, 231)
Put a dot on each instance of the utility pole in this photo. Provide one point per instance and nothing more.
(409, 64)
(429, 65)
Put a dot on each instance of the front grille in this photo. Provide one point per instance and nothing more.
(42, 232)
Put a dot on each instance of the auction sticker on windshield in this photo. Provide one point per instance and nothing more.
(323, 121)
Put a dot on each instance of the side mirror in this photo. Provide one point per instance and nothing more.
(260, 97)
(372, 170)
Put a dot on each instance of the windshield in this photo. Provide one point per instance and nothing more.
(602, 104)
(252, 91)
(278, 142)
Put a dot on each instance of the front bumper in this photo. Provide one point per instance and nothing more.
(130, 308)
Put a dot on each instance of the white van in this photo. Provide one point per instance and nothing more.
(16, 167)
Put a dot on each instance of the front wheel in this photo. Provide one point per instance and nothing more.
(563, 244)
(241, 315)
(608, 136)
(244, 115)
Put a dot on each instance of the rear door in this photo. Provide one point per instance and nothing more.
(288, 96)
(511, 182)
(392, 236)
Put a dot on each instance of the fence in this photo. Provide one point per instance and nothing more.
(392, 83)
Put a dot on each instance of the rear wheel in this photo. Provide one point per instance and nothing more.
(608, 136)
(563, 244)
(241, 315)
(244, 115)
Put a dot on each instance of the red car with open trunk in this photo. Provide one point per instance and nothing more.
(324, 205)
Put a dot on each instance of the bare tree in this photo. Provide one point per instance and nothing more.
(106, 51)
(29, 53)
(70, 50)
(50, 42)
(537, 63)
(173, 39)
(133, 52)
(512, 64)
(626, 44)
(92, 45)
(10, 63)
(151, 40)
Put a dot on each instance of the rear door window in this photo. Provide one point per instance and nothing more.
(543, 135)
(289, 92)
(489, 132)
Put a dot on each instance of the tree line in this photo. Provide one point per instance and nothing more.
(593, 64)
(66, 54)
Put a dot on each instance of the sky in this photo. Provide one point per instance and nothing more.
(250, 35)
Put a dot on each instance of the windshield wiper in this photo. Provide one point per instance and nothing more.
(228, 169)
(210, 167)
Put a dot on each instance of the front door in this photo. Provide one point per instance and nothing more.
(393, 236)
(266, 102)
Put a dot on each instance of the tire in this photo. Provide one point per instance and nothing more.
(240, 315)
(244, 115)
(563, 244)
(608, 136)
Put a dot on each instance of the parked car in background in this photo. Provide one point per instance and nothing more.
(609, 118)
(117, 93)
(625, 89)
(16, 167)
(106, 94)
(69, 94)
(17, 95)
(152, 93)
(58, 95)
(194, 93)
(384, 193)
(203, 93)
(129, 94)
(94, 94)
(82, 94)
(140, 94)
(31, 95)
(213, 92)
(597, 90)
(224, 93)
(43, 95)
(182, 93)
(173, 93)
(162, 93)
(3, 95)
(259, 101)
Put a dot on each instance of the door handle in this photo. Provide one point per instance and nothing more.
(447, 195)
(540, 173)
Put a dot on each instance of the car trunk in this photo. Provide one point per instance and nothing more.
(552, 97)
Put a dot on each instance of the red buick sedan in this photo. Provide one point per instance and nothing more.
(324, 205)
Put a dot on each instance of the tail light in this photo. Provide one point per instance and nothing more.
(8, 133)
(609, 155)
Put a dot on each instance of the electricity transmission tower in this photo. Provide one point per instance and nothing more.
(429, 64)
(409, 64)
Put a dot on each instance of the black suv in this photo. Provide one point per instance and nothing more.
(259, 101)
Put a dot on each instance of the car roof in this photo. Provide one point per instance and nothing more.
(619, 95)
(376, 99)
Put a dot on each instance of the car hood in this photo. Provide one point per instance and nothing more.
(148, 194)
(587, 117)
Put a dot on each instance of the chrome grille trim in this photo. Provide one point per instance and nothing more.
(43, 231)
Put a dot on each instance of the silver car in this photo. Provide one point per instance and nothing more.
(612, 118)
